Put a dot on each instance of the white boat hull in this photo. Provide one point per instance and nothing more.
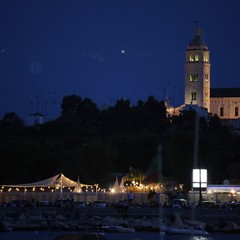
(185, 231)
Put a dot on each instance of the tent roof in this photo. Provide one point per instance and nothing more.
(116, 186)
(122, 187)
(51, 182)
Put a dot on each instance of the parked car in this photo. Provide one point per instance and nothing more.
(207, 205)
(44, 204)
(179, 203)
(19, 203)
(236, 205)
(64, 203)
(100, 204)
(81, 204)
(227, 205)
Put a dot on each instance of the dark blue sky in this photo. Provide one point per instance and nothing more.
(50, 49)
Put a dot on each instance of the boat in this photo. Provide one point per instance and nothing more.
(185, 231)
(81, 236)
(117, 229)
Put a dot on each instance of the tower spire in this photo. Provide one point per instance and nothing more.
(197, 29)
(197, 41)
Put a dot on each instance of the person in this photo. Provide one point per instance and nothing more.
(130, 197)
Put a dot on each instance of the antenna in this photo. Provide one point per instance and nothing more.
(167, 92)
(37, 102)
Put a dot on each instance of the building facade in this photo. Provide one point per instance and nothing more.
(197, 72)
(224, 102)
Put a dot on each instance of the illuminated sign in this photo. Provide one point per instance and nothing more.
(199, 178)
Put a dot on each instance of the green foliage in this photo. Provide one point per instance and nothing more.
(135, 174)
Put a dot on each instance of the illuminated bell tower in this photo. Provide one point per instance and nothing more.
(197, 72)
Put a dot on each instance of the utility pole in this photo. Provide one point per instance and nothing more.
(196, 160)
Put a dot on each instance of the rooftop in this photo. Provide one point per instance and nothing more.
(197, 41)
(224, 92)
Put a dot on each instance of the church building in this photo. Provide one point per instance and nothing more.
(224, 102)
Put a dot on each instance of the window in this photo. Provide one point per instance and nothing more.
(193, 96)
(206, 95)
(196, 57)
(193, 77)
(221, 112)
(236, 111)
(206, 76)
(205, 58)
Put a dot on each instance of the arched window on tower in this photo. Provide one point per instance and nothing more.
(206, 77)
(193, 77)
(206, 95)
(205, 58)
(236, 111)
(221, 112)
(193, 96)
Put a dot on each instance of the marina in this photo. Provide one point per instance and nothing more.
(44, 235)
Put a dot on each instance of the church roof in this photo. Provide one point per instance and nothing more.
(197, 41)
(224, 92)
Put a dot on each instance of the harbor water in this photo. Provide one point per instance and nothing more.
(45, 235)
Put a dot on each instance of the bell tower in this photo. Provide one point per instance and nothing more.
(197, 72)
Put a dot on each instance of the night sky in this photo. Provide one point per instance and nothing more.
(109, 49)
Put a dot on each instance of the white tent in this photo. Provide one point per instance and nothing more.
(116, 186)
(122, 187)
(78, 188)
(57, 181)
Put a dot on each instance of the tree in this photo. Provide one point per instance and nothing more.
(11, 124)
(135, 175)
(70, 105)
(88, 113)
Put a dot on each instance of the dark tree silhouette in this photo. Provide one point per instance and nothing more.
(92, 144)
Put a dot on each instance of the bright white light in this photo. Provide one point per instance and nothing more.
(112, 190)
(199, 175)
(123, 51)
